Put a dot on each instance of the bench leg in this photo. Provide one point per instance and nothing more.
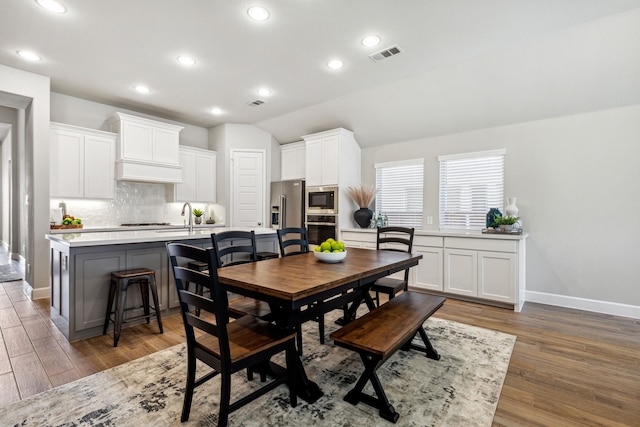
(428, 349)
(385, 409)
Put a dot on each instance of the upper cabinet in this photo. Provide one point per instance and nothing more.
(332, 158)
(292, 161)
(82, 162)
(198, 176)
(148, 149)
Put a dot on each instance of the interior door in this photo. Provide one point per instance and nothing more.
(247, 188)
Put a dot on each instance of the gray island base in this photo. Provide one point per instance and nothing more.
(82, 263)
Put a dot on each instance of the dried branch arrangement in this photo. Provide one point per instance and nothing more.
(362, 195)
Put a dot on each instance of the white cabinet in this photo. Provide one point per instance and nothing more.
(148, 149)
(82, 162)
(332, 158)
(481, 268)
(198, 176)
(491, 269)
(292, 161)
(428, 274)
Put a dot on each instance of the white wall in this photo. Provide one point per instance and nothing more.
(578, 186)
(36, 208)
(94, 115)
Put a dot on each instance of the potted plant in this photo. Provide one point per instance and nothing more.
(198, 214)
(363, 196)
(505, 222)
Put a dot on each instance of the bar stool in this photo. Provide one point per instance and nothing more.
(120, 282)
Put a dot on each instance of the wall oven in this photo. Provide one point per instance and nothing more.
(321, 227)
(322, 200)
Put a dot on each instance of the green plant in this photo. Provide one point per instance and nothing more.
(198, 212)
(505, 220)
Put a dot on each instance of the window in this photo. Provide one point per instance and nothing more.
(470, 184)
(400, 188)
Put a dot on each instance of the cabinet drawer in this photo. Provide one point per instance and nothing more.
(481, 244)
(360, 237)
(434, 241)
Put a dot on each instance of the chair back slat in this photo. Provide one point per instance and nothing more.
(397, 236)
(293, 241)
(234, 247)
(217, 304)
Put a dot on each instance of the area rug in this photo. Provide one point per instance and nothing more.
(8, 274)
(461, 389)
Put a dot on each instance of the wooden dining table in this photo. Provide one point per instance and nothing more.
(299, 288)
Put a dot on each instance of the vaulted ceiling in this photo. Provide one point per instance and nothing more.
(464, 65)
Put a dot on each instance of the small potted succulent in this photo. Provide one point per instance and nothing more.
(505, 222)
(198, 214)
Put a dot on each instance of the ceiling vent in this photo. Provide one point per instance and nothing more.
(257, 103)
(385, 53)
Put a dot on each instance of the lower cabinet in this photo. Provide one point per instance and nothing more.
(486, 268)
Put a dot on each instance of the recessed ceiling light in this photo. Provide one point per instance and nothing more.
(370, 41)
(217, 111)
(30, 56)
(263, 91)
(335, 64)
(52, 6)
(258, 13)
(142, 89)
(186, 60)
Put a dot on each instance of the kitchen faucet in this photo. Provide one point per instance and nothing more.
(190, 215)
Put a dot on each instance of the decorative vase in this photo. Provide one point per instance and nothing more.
(511, 209)
(491, 216)
(198, 220)
(363, 217)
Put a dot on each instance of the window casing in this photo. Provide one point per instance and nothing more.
(400, 192)
(470, 185)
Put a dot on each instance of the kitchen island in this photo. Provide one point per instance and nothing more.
(82, 263)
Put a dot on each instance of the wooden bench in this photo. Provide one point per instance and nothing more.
(378, 334)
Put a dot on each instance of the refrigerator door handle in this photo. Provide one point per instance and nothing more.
(283, 211)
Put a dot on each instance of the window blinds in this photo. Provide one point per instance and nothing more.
(470, 184)
(400, 190)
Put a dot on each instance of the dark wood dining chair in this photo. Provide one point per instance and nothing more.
(227, 347)
(233, 248)
(401, 240)
(295, 241)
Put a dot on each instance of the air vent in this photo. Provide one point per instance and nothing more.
(385, 53)
(257, 103)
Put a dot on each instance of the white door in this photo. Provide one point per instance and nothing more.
(247, 188)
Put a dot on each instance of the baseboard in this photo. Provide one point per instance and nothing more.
(614, 308)
(39, 293)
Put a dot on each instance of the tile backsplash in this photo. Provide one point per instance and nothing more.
(134, 202)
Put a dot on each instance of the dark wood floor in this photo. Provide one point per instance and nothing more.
(568, 368)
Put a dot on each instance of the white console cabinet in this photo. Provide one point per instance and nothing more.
(485, 267)
(82, 162)
(292, 161)
(198, 176)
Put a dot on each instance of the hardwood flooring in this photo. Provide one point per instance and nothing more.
(568, 367)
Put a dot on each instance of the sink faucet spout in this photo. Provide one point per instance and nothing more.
(187, 204)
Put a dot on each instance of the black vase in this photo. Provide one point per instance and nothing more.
(491, 217)
(363, 217)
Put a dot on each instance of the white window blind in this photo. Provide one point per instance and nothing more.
(400, 188)
(470, 185)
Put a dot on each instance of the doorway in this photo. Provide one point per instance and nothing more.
(247, 190)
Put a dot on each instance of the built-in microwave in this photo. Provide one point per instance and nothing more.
(322, 200)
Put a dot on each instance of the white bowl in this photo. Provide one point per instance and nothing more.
(330, 257)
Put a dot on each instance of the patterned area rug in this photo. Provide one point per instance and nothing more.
(461, 389)
(8, 274)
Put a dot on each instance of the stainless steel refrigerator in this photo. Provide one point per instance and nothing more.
(287, 204)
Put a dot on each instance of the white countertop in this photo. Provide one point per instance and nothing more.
(90, 229)
(452, 233)
(143, 236)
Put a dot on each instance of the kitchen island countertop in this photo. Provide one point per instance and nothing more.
(143, 236)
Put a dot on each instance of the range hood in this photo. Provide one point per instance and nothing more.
(148, 150)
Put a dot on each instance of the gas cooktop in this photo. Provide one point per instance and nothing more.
(141, 224)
